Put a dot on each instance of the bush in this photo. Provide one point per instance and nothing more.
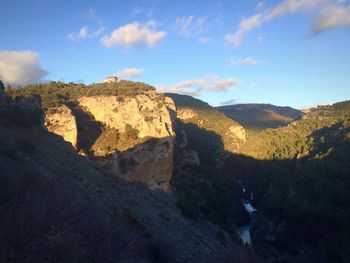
(20, 115)
(188, 206)
(27, 146)
(131, 132)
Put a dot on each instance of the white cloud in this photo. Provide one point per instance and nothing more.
(188, 26)
(327, 14)
(128, 73)
(134, 34)
(331, 17)
(20, 67)
(85, 33)
(196, 86)
(204, 40)
(180, 90)
(246, 25)
(248, 61)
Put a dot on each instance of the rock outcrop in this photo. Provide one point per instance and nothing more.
(185, 114)
(146, 113)
(62, 122)
(149, 157)
(239, 132)
(150, 162)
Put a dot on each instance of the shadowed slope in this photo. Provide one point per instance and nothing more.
(260, 116)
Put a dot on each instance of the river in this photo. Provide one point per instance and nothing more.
(243, 231)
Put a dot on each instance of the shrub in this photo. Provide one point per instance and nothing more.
(188, 205)
(131, 132)
(27, 146)
(20, 115)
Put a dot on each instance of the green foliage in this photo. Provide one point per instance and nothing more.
(211, 120)
(300, 175)
(130, 132)
(10, 153)
(255, 117)
(27, 146)
(2, 86)
(188, 205)
(57, 93)
(20, 115)
(187, 101)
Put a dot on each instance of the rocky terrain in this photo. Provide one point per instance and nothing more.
(151, 177)
(126, 206)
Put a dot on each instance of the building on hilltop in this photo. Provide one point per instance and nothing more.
(110, 79)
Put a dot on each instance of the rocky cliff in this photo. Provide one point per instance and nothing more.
(136, 139)
(62, 122)
(146, 113)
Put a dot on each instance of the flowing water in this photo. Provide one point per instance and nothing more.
(243, 231)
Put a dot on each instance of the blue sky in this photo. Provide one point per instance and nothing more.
(286, 52)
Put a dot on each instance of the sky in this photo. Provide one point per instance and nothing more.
(286, 52)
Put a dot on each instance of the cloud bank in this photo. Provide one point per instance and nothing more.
(196, 86)
(129, 73)
(326, 14)
(20, 67)
(134, 34)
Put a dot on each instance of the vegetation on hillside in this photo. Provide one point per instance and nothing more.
(54, 94)
(299, 175)
(255, 117)
(208, 118)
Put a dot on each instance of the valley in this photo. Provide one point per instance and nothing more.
(158, 177)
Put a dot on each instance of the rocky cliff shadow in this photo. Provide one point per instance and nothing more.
(88, 128)
(203, 190)
(149, 162)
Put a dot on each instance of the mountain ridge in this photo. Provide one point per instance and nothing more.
(258, 116)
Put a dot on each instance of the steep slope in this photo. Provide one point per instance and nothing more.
(205, 138)
(125, 127)
(199, 113)
(260, 116)
(142, 126)
(59, 206)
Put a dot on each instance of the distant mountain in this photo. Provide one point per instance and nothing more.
(260, 116)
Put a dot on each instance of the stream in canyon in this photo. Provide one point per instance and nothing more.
(244, 231)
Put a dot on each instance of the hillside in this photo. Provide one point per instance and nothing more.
(205, 138)
(299, 175)
(165, 178)
(191, 110)
(83, 181)
(260, 116)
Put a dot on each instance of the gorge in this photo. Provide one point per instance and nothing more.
(170, 168)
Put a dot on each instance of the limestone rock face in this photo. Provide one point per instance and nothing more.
(149, 161)
(62, 122)
(239, 132)
(184, 114)
(169, 103)
(143, 112)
